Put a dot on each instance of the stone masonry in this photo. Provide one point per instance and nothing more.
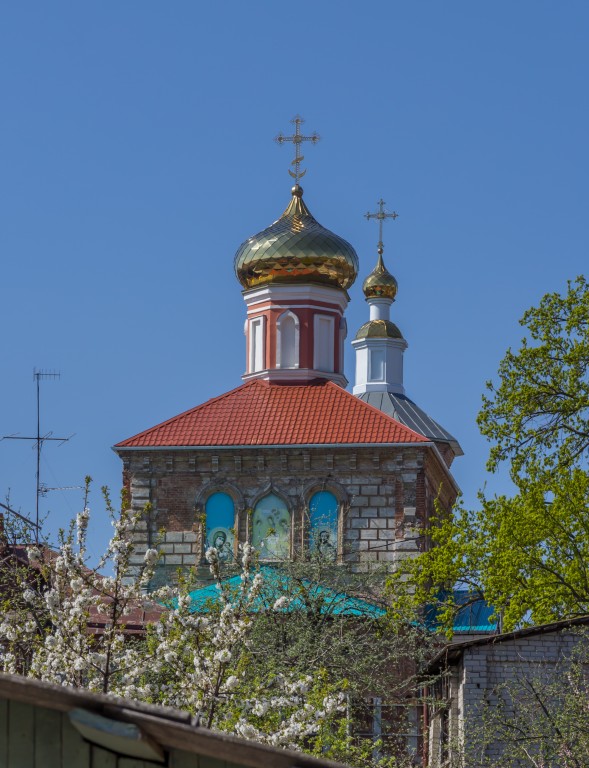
(476, 669)
(386, 494)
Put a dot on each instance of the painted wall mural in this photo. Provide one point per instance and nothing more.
(271, 528)
(323, 514)
(220, 513)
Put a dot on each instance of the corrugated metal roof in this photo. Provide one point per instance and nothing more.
(475, 616)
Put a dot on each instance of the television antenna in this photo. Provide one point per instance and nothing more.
(23, 518)
(39, 440)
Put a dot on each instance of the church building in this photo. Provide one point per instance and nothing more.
(290, 460)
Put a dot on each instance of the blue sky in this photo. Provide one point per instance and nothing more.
(136, 154)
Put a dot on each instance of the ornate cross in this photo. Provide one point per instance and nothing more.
(297, 140)
(381, 216)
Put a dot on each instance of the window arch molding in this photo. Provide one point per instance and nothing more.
(288, 340)
(220, 487)
(334, 527)
(276, 519)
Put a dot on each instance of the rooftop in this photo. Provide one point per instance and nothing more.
(262, 414)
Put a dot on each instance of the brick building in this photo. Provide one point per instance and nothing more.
(290, 460)
(475, 673)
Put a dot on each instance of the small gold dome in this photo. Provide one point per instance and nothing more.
(380, 284)
(296, 249)
(379, 329)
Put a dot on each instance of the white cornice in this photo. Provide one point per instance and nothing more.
(300, 293)
(297, 375)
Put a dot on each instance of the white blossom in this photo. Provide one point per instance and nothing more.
(151, 557)
(223, 656)
(191, 661)
(34, 554)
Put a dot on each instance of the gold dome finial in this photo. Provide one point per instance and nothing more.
(380, 284)
(297, 139)
(296, 249)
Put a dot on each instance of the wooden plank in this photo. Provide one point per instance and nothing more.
(130, 762)
(3, 733)
(212, 762)
(47, 738)
(181, 759)
(102, 758)
(76, 752)
(21, 742)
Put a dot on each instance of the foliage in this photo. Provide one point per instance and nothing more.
(538, 415)
(525, 555)
(371, 655)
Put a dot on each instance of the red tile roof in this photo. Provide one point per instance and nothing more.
(259, 413)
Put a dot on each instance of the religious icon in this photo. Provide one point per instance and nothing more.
(271, 528)
(323, 519)
(324, 546)
(222, 540)
(220, 511)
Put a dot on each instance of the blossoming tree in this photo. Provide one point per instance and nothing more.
(96, 628)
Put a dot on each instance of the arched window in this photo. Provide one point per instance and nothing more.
(271, 528)
(287, 341)
(323, 514)
(220, 514)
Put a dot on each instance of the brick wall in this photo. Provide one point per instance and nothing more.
(477, 674)
(385, 496)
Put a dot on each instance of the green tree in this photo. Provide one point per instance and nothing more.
(538, 415)
(526, 555)
(333, 624)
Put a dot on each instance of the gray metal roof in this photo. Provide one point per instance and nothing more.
(401, 408)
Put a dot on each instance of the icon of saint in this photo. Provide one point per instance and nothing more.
(324, 546)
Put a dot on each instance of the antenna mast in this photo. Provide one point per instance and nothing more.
(39, 440)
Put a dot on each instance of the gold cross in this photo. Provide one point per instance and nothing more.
(381, 216)
(297, 140)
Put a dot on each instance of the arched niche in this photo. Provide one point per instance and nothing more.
(287, 340)
(271, 527)
(324, 525)
(220, 524)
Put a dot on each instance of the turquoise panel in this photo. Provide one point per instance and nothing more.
(323, 512)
